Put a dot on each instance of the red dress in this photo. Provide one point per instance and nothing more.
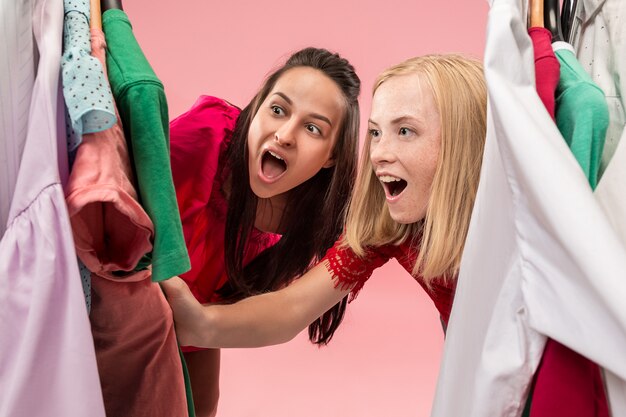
(199, 139)
(351, 271)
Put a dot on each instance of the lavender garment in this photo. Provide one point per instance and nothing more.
(47, 359)
(17, 76)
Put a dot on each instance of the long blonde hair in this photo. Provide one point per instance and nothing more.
(460, 94)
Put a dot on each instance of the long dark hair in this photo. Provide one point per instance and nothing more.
(315, 212)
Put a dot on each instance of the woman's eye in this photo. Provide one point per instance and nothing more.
(277, 110)
(404, 131)
(374, 133)
(313, 129)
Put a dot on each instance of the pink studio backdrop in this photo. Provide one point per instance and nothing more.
(385, 357)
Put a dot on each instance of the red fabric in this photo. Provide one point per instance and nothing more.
(547, 67)
(199, 139)
(567, 384)
(350, 271)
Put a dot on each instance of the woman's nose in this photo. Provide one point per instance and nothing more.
(382, 151)
(285, 134)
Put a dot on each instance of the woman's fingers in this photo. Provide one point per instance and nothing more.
(175, 288)
(188, 315)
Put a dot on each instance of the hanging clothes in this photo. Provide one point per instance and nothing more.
(600, 47)
(17, 76)
(111, 230)
(143, 109)
(546, 67)
(132, 324)
(47, 360)
(89, 103)
(547, 70)
(566, 383)
(140, 369)
(582, 115)
(541, 258)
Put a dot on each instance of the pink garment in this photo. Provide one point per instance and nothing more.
(131, 322)
(47, 360)
(138, 360)
(111, 230)
(547, 67)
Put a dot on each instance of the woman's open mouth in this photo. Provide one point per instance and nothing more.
(273, 165)
(394, 186)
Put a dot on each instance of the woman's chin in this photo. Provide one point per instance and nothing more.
(404, 216)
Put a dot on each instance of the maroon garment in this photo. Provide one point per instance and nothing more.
(567, 385)
(350, 271)
(547, 67)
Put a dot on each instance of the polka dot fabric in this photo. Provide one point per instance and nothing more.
(87, 94)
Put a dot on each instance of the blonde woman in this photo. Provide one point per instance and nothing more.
(413, 201)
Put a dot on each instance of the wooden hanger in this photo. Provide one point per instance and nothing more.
(95, 16)
(536, 13)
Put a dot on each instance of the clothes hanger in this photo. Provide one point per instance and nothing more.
(536, 13)
(111, 4)
(567, 18)
(552, 19)
(95, 16)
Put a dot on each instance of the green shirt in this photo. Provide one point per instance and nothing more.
(142, 106)
(582, 114)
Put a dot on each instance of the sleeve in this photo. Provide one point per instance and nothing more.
(546, 67)
(350, 270)
(198, 139)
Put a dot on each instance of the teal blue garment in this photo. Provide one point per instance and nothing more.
(86, 91)
(142, 106)
(582, 114)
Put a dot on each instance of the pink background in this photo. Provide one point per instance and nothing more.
(385, 358)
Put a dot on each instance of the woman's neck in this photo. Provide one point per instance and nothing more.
(269, 213)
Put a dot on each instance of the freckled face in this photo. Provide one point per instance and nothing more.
(405, 134)
(293, 134)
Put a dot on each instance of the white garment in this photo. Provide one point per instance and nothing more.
(541, 258)
(47, 358)
(17, 75)
(601, 50)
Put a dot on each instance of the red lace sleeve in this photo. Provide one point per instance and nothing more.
(349, 270)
